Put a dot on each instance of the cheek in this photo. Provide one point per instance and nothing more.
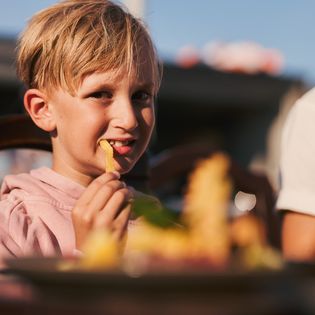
(148, 117)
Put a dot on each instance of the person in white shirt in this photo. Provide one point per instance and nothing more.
(296, 199)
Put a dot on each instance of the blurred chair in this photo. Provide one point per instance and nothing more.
(169, 171)
(18, 131)
(23, 145)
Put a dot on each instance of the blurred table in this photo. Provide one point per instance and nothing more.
(192, 295)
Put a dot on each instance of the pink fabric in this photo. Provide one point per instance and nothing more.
(35, 214)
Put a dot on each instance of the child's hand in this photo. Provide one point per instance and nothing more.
(104, 204)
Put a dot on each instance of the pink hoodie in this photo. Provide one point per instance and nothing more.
(35, 214)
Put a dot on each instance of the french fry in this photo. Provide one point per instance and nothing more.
(109, 156)
(101, 251)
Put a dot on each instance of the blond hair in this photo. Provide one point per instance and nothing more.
(73, 38)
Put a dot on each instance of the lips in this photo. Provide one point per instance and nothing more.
(122, 147)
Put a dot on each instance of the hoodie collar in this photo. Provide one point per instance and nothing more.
(59, 182)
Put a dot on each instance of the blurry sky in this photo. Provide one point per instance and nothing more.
(285, 25)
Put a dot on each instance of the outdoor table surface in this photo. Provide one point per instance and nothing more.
(156, 294)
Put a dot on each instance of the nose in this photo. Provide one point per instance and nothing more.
(124, 115)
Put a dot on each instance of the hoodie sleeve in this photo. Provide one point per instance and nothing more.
(8, 247)
(22, 234)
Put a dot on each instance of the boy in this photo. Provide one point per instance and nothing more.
(91, 73)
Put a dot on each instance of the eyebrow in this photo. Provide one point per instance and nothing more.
(105, 86)
(110, 85)
(145, 85)
(96, 87)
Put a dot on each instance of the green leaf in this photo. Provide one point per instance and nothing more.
(154, 212)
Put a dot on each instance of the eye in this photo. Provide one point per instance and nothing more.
(101, 95)
(142, 96)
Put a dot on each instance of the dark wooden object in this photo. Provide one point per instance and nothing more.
(19, 131)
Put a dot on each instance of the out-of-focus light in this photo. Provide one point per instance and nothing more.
(243, 57)
(187, 56)
(244, 202)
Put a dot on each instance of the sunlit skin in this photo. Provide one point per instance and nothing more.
(115, 108)
(298, 236)
(102, 109)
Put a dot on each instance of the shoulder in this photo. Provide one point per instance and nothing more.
(305, 104)
(41, 185)
(308, 97)
(304, 108)
(300, 121)
(37, 186)
(24, 182)
(16, 190)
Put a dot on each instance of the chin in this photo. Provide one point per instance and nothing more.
(123, 169)
(125, 166)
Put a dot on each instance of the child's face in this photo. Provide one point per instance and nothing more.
(120, 110)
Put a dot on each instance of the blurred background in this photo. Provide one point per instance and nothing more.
(232, 70)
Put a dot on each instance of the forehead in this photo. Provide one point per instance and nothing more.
(140, 73)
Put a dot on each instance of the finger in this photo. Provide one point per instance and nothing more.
(119, 225)
(121, 222)
(93, 188)
(114, 206)
(103, 195)
(98, 182)
(86, 213)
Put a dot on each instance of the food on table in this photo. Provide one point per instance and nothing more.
(155, 247)
(206, 205)
(109, 155)
(100, 251)
(248, 234)
(246, 230)
(201, 235)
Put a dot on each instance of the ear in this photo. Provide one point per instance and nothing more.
(36, 104)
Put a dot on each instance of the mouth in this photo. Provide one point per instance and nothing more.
(122, 147)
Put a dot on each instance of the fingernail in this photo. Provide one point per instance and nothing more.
(116, 173)
(131, 191)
